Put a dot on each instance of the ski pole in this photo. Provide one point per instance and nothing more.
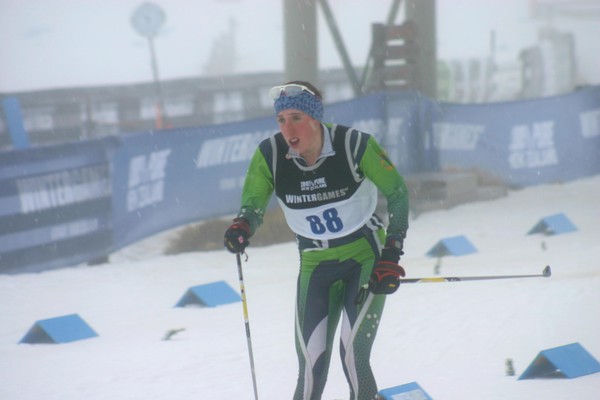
(546, 273)
(247, 323)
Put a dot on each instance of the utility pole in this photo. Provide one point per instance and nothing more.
(423, 13)
(147, 20)
(300, 40)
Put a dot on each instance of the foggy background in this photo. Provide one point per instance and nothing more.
(63, 43)
(79, 69)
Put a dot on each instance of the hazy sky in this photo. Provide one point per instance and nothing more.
(64, 43)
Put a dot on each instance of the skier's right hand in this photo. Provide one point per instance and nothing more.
(236, 236)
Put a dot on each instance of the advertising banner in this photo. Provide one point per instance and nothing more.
(78, 202)
(523, 143)
(55, 205)
(171, 178)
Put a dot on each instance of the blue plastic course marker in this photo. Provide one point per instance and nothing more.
(408, 391)
(453, 246)
(553, 225)
(67, 328)
(209, 295)
(569, 361)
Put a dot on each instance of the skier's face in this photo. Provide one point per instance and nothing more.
(301, 132)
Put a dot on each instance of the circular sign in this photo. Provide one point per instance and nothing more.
(147, 19)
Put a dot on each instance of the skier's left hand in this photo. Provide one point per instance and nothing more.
(385, 278)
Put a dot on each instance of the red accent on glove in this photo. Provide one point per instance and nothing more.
(385, 278)
(236, 236)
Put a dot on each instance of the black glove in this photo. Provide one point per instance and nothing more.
(236, 236)
(385, 278)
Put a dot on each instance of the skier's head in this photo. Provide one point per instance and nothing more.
(298, 95)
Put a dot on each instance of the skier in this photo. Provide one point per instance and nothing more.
(326, 179)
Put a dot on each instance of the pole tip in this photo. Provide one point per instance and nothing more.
(547, 272)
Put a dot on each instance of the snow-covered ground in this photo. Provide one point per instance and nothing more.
(452, 338)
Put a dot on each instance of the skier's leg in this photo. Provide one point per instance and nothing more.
(318, 309)
(355, 348)
(360, 324)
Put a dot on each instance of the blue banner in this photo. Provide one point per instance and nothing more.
(403, 140)
(77, 202)
(522, 143)
(171, 178)
(55, 205)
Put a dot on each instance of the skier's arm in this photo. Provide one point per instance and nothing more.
(257, 190)
(376, 166)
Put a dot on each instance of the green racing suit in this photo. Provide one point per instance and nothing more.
(330, 206)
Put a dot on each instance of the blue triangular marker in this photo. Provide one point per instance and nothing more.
(209, 295)
(63, 329)
(454, 246)
(569, 361)
(553, 225)
(407, 391)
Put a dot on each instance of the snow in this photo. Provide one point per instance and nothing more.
(451, 338)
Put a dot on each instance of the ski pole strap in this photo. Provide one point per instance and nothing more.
(362, 294)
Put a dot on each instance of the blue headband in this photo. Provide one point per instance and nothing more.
(305, 102)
